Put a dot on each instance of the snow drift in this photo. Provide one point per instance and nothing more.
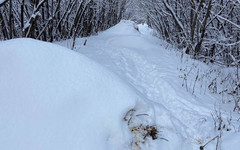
(55, 99)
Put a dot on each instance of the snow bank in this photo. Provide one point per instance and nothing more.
(52, 98)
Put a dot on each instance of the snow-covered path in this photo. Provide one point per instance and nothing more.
(140, 59)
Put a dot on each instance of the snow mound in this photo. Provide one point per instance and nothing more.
(55, 99)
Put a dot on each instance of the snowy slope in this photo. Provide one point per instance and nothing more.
(52, 98)
(143, 61)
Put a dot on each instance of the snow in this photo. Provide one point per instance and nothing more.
(1, 1)
(104, 95)
(143, 61)
(231, 142)
(54, 98)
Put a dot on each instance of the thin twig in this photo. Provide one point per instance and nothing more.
(201, 147)
(125, 117)
(142, 115)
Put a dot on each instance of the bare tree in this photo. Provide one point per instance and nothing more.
(51, 20)
(207, 30)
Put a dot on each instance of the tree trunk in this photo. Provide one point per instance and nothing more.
(10, 20)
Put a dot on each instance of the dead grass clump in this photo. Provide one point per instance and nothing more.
(140, 129)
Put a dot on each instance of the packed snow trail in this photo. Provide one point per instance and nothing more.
(141, 60)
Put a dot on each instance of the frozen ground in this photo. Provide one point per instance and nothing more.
(104, 97)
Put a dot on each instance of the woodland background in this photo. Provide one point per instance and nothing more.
(208, 30)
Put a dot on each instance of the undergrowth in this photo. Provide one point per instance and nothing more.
(198, 78)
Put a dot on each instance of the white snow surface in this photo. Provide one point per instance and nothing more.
(140, 59)
(52, 98)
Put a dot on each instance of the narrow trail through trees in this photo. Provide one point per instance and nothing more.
(138, 58)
